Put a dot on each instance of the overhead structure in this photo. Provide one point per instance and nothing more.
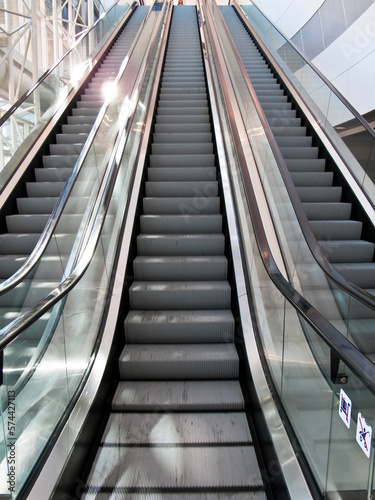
(34, 34)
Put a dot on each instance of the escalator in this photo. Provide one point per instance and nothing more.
(27, 212)
(191, 411)
(28, 209)
(178, 424)
(341, 228)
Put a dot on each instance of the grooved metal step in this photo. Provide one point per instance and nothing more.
(180, 268)
(180, 295)
(198, 205)
(181, 224)
(179, 362)
(230, 467)
(176, 428)
(182, 161)
(179, 326)
(191, 244)
(182, 188)
(178, 395)
(181, 174)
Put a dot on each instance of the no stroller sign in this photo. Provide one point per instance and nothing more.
(364, 435)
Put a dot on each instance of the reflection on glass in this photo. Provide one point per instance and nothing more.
(29, 119)
(330, 111)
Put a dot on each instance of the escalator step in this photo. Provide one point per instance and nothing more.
(294, 141)
(89, 106)
(183, 128)
(52, 174)
(182, 148)
(179, 111)
(312, 179)
(36, 205)
(305, 165)
(74, 138)
(182, 161)
(327, 211)
(291, 131)
(336, 230)
(48, 189)
(348, 251)
(213, 495)
(136, 467)
(191, 244)
(81, 119)
(299, 153)
(198, 174)
(320, 194)
(57, 161)
(182, 188)
(181, 224)
(182, 137)
(27, 223)
(275, 100)
(200, 204)
(268, 91)
(191, 395)
(180, 326)
(62, 149)
(183, 268)
(361, 273)
(281, 114)
(84, 112)
(180, 295)
(180, 118)
(176, 428)
(179, 362)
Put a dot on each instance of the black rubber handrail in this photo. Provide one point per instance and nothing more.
(50, 70)
(351, 288)
(357, 362)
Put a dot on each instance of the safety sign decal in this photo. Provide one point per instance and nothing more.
(345, 409)
(364, 435)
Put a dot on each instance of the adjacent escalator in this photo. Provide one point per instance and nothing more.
(28, 209)
(341, 229)
(34, 200)
(178, 423)
(339, 234)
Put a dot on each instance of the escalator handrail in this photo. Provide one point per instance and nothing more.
(350, 288)
(91, 235)
(50, 70)
(357, 362)
(329, 84)
(35, 256)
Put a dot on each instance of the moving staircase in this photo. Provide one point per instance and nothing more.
(334, 220)
(23, 226)
(178, 425)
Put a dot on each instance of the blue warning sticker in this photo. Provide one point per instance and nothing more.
(345, 409)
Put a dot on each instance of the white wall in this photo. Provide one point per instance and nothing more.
(289, 15)
(349, 60)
